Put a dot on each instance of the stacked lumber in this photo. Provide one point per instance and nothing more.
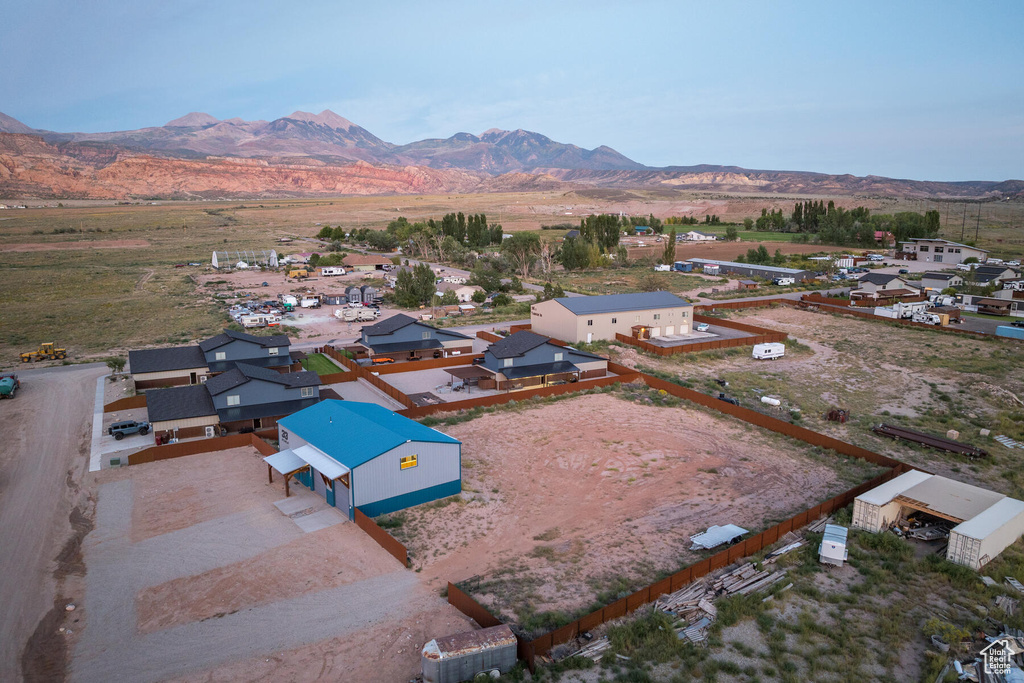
(1007, 604)
(819, 525)
(1014, 584)
(594, 650)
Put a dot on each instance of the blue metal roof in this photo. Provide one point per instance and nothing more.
(354, 433)
(614, 303)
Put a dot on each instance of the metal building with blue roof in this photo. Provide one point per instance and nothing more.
(362, 455)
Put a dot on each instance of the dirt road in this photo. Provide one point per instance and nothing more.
(45, 436)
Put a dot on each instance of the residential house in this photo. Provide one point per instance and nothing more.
(747, 284)
(941, 280)
(245, 398)
(940, 251)
(883, 286)
(194, 364)
(363, 456)
(698, 236)
(589, 318)
(403, 338)
(364, 263)
(885, 238)
(991, 275)
(525, 359)
(463, 292)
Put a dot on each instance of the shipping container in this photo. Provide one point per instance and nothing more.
(979, 540)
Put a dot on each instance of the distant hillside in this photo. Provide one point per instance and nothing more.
(318, 154)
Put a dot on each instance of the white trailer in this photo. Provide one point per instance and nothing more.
(886, 312)
(926, 318)
(289, 299)
(366, 314)
(769, 351)
(784, 281)
(310, 303)
(329, 271)
(257, 320)
(833, 546)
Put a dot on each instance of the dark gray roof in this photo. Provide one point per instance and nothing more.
(243, 372)
(613, 303)
(388, 325)
(265, 362)
(995, 270)
(539, 369)
(985, 277)
(228, 336)
(179, 403)
(517, 344)
(410, 345)
(261, 410)
(162, 360)
(939, 276)
(879, 278)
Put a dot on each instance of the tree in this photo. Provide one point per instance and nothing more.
(748, 224)
(522, 249)
(670, 248)
(649, 282)
(503, 300)
(731, 234)
(449, 298)
(573, 254)
(416, 287)
(314, 259)
(485, 277)
(116, 364)
(479, 297)
(971, 259)
(779, 259)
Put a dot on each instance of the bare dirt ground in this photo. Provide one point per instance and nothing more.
(44, 514)
(72, 246)
(924, 379)
(573, 498)
(248, 595)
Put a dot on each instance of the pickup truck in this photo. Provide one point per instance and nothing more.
(126, 428)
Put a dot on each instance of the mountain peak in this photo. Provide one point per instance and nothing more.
(193, 120)
(326, 117)
(10, 124)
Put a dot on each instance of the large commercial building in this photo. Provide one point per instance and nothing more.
(585, 319)
(940, 251)
(753, 269)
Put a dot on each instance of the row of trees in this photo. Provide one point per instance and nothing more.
(835, 225)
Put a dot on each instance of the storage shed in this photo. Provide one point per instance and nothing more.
(462, 656)
(986, 522)
(363, 455)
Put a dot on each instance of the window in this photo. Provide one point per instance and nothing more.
(273, 350)
(614, 320)
(939, 250)
(590, 323)
(233, 400)
(559, 356)
(956, 251)
(408, 461)
(507, 363)
(425, 335)
(307, 392)
(657, 316)
(220, 355)
(637, 319)
(923, 247)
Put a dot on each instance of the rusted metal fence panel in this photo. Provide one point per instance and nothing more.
(338, 377)
(184, 448)
(427, 364)
(519, 328)
(384, 539)
(126, 403)
(661, 587)
(470, 607)
(488, 336)
(565, 633)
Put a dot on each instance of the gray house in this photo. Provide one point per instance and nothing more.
(230, 347)
(245, 398)
(940, 281)
(403, 338)
(361, 455)
(525, 359)
(369, 293)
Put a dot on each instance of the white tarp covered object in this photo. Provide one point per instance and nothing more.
(322, 463)
(716, 536)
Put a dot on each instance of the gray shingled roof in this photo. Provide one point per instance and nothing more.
(162, 360)
(228, 336)
(939, 276)
(243, 372)
(179, 403)
(879, 278)
(517, 344)
(388, 325)
(614, 303)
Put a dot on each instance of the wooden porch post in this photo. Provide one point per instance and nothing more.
(286, 492)
(270, 474)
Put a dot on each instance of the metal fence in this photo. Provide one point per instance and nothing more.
(184, 448)
(489, 336)
(363, 373)
(126, 403)
(383, 538)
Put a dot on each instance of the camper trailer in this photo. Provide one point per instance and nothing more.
(769, 351)
(329, 271)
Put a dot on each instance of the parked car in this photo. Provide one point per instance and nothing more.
(904, 271)
(119, 430)
(1018, 323)
(702, 327)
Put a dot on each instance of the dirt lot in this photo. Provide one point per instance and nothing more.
(72, 246)
(248, 588)
(882, 372)
(558, 518)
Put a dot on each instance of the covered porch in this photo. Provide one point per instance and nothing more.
(541, 375)
(316, 471)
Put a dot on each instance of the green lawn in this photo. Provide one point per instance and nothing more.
(321, 364)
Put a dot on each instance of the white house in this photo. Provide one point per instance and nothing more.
(698, 236)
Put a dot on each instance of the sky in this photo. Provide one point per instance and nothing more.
(922, 90)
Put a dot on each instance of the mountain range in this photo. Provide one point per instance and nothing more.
(316, 154)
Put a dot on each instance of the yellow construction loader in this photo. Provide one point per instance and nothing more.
(46, 352)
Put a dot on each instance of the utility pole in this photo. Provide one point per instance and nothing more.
(963, 224)
(977, 226)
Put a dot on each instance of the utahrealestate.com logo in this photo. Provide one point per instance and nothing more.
(996, 657)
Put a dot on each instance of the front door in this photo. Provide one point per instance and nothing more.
(328, 490)
(192, 378)
(590, 337)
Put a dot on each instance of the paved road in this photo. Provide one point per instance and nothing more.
(45, 434)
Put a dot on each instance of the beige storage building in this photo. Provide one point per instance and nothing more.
(585, 319)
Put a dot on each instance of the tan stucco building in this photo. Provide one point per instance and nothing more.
(585, 319)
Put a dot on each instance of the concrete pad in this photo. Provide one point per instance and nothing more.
(320, 520)
(297, 503)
